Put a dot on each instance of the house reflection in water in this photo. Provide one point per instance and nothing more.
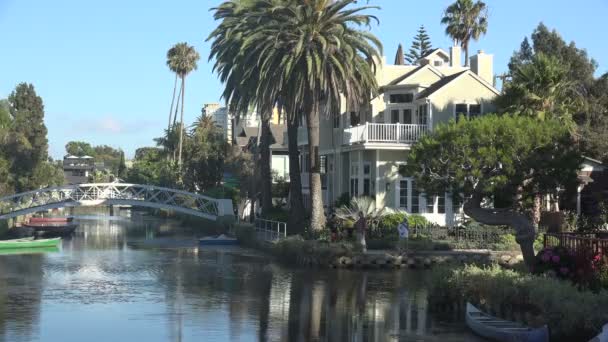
(346, 306)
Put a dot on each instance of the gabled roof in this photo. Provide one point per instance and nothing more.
(249, 136)
(413, 72)
(435, 51)
(439, 84)
(449, 79)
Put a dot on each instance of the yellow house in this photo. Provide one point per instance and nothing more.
(361, 150)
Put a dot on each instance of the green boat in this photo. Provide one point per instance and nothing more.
(23, 251)
(29, 243)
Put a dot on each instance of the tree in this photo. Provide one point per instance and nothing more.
(421, 46)
(576, 80)
(513, 158)
(242, 79)
(310, 56)
(122, 166)
(465, 20)
(151, 167)
(26, 139)
(79, 149)
(400, 57)
(541, 88)
(182, 59)
(206, 153)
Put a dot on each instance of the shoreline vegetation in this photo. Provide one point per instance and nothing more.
(572, 313)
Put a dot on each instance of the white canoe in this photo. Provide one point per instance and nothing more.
(502, 330)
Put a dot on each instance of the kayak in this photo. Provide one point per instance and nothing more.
(29, 243)
(221, 240)
(502, 330)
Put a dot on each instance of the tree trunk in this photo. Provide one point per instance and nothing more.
(296, 203)
(266, 175)
(317, 217)
(172, 102)
(174, 121)
(181, 126)
(524, 229)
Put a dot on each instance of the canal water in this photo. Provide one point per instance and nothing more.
(112, 282)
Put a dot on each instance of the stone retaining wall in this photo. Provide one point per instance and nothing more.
(416, 259)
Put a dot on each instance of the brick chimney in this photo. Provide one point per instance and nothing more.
(482, 64)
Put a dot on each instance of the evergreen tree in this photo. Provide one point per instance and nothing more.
(420, 46)
(122, 166)
(27, 141)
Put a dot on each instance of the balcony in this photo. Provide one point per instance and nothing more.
(377, 133)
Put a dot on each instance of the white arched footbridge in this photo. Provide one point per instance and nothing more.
(114, 194)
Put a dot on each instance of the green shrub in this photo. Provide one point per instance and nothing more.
(572, 315)
(294, 249)
(277, 214)
(416, 220)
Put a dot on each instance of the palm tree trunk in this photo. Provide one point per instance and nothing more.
(317, 218)
(266, 175)
(172, 102)
(296, 203)
(179, 94)
(181, 126)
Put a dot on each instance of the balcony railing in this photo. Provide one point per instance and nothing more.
(383, 133)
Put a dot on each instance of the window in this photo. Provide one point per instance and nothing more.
(438, 63)
(337, 120)
(422, 114)
(323, 165)
(403, 193)
(401, 98)
(469, 111)
(407, 116)
(430, 204)
(354, 119)
(407, 196)
(474, 110)
(395, 116)
(367, 172)
(415, 199)
(354, 180)
(441, 203)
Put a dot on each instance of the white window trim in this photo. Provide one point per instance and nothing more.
(421, 199)
(468, 103)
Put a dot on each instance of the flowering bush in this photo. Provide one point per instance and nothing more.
(556, 261)
(585, 268)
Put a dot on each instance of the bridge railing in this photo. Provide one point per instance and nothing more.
(269, 230)
(114, 193)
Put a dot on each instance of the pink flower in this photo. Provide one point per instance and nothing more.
(564, 270)
(555, 258)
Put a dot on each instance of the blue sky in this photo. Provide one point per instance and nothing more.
(100, 65)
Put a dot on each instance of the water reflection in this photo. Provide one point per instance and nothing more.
(99, 288)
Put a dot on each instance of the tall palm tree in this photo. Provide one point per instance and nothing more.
(465, 20)
(241, 79)
(182, 59)
(307, 55)
(313, 55)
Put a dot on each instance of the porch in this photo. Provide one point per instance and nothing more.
(383, 133)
